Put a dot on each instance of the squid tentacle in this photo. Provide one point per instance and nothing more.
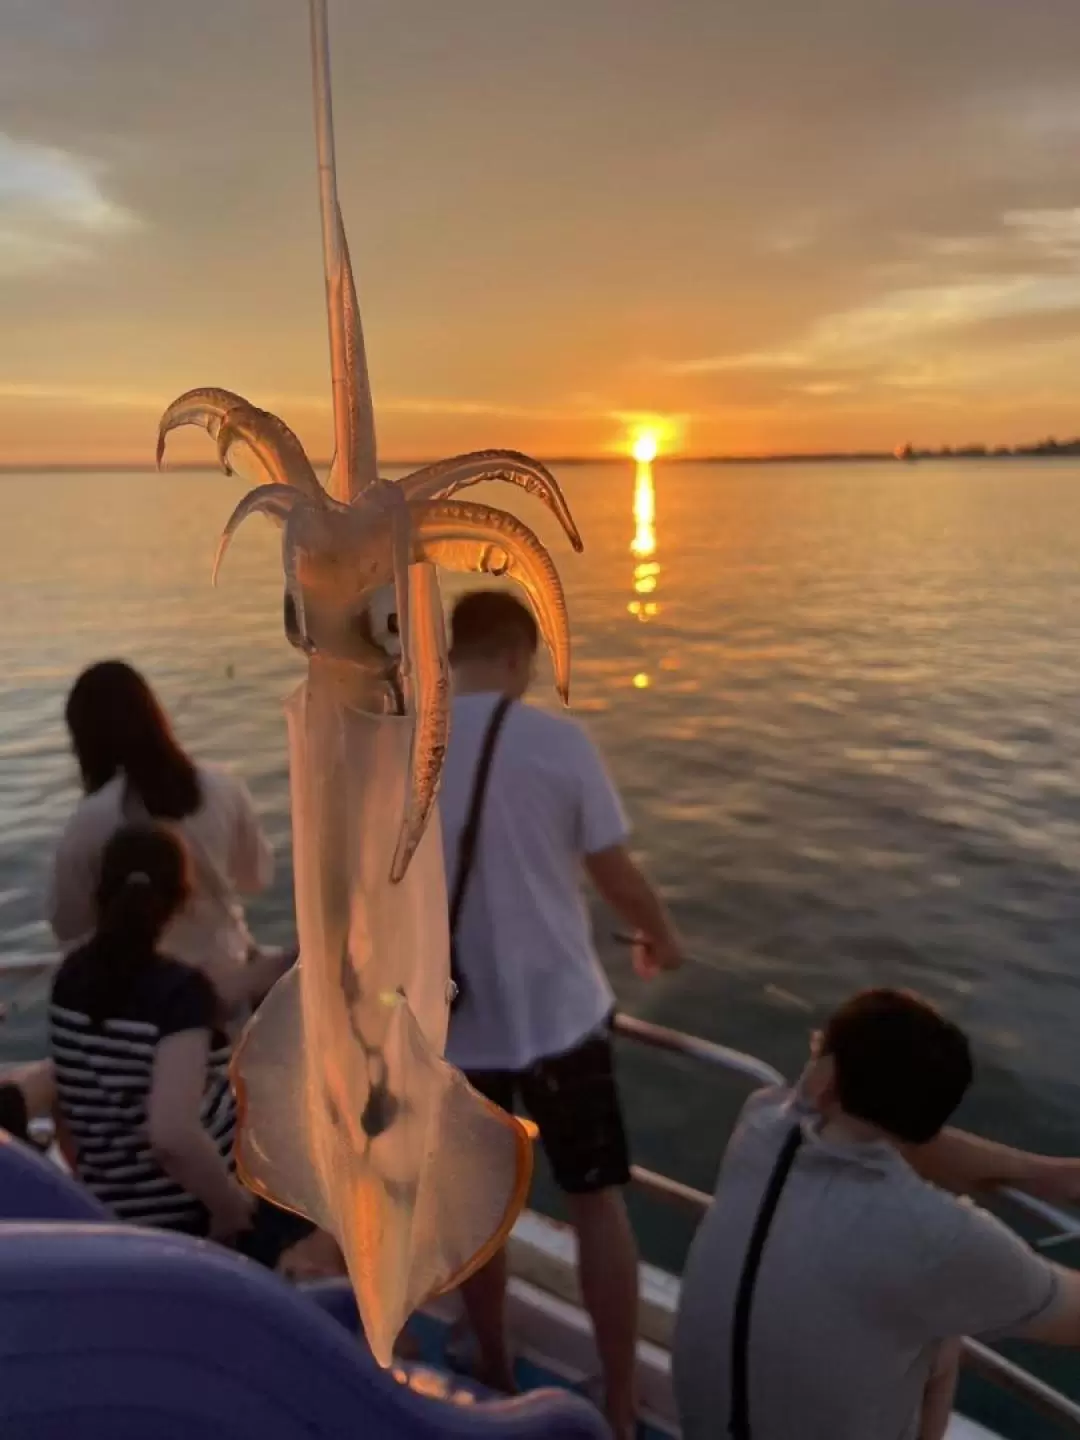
(274, 446)
(206, 406)
(290, 550)
(391, 499)
(441, 480)
(426, 641)
(478, 538)
(276, 501)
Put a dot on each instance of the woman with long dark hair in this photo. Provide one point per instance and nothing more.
(134, 770)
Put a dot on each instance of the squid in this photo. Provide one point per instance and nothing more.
(355, 548)
(348, 1112)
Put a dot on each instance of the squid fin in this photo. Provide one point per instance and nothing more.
(475, 1223)
(268, 1076)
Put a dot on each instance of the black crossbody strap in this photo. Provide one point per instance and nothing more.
(739, 1417)
(470, 831)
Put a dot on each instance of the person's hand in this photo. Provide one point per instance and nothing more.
(315, 1257)
(265, 968)
(1062, 1182)
(651, 954)
(234, 1215)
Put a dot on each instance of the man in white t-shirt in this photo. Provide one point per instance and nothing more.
(533, 1019)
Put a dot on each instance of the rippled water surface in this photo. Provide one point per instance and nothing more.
(843, 705)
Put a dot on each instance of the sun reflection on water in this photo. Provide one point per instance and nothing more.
(644, 542)
(644, 605)
(643, 545)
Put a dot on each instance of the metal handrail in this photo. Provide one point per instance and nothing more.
(659, 1037)
(1051, 1404)
(1066, 1226)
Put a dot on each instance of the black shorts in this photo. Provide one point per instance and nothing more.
(14, 1116)
(272, 1232)
(575, 1104)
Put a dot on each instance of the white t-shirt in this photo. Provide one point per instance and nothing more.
(533, 983)
(230, 856)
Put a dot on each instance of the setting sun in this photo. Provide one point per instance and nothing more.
(649, 435)
(646, 446)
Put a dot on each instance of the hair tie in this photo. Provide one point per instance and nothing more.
(137, 877)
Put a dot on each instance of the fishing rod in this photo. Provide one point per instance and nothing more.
(775, 992)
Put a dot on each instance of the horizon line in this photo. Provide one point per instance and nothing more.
(98, 467)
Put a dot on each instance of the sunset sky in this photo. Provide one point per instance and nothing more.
(780, 224)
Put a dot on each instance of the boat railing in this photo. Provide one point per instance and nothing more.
(991, 1366)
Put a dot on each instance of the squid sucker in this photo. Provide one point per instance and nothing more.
(348, 1112)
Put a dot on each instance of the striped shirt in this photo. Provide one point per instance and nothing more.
(104, 1070)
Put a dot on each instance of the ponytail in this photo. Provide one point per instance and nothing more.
(144, 883)
(131, 913)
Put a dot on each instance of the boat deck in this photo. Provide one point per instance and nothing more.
(432, 1336)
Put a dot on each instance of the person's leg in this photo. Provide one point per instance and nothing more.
(484, 1294)
(273, 1231)
(575, 1103)
(484, 1297)
(608, 1267)
(315, 1256)
(27, 1092)
(14, 1113)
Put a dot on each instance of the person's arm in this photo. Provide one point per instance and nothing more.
(620, 884)
(181, 1146)
(242, 985)
(251, 862)
(1059, 1323)
(604, 830)
(264, 969)
(70, 901)
(940, 1392)
(966, 1164)
(969, 1274)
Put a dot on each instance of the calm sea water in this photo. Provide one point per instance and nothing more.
(843, 705)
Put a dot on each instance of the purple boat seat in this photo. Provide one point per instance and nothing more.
(33, 1188)
(115, 1333)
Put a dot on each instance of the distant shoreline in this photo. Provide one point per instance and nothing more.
(1049, 450)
